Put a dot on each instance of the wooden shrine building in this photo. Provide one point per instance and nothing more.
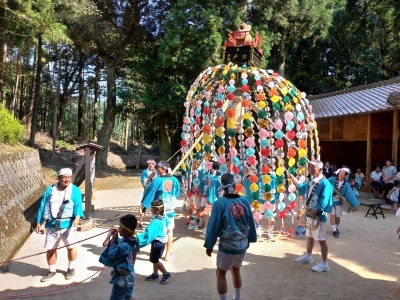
(359, 127)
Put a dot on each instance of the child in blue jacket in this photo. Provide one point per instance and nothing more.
(121, 255)
(156, 234)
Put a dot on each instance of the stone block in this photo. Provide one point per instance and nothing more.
(86, 225)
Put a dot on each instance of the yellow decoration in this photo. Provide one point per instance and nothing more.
(279, 171)
(275, 98)
(183, 166)
(267, 196)
(231, 123)
(266, 179)
(263, 123)
(291, 162)
(232, 142)
(261, 104)
(221, 150)
(206, 139)
(254, 187)
(225, 72)
(255, 204)
(302, 170)
(249, 132)
(219, 131)
(302, 152)
(289, 107)
(295, 100)
(248, 116)
(198, 147)
(281, 188)
(233, 76)
(284, 91)
(207, 157)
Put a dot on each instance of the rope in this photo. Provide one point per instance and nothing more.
(8, 261)
(4, 296)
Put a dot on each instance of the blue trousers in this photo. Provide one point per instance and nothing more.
(121, 293)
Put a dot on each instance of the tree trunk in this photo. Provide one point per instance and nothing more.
(282, 55)
(141, 140)
(109, 116)
(95, 102)
(126, 137)
(22, 100)
(81, 100)
(36, 99)
(165, 137)
(3, 56)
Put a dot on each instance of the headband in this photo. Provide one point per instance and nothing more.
(126, 228)
(229, 186)
(157, 206)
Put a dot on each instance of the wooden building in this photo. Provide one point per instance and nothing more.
(359, 127)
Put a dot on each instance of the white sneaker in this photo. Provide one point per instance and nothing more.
(270, 235)
(304, 259)
(204, 230)
(259, 232)
(321, 267)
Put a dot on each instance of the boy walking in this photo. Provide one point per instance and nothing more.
(156, 234)
(121, 255)
(231, 220)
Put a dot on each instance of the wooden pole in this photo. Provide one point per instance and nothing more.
(88, 184)
(188, 153)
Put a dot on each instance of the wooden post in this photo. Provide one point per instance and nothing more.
(395, 136)
(85, 166)
(369, 153)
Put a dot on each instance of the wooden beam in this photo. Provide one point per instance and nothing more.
(88, 184)
(395, 135)
(369, 152)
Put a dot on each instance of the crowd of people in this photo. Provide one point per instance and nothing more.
(227, 207)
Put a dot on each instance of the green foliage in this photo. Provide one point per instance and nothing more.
(11, 130)
(64, 144)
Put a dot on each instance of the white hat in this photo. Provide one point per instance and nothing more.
(151, 161)
(319, 164)
(163, 164)
(344, 169)
(65, 171)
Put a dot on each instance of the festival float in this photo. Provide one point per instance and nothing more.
(243, 116)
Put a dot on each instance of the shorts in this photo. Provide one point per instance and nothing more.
(204, 202)
(156, 251)
(226, 261)
(53, 237)
(171, 225)
(121, 293)
(142, 209)
(337, 211)
(319, 233)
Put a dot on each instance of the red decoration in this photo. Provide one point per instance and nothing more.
(219, 104)
(258, 82)
(282, 214)
(236, 169)
(245, 88)
(265, 169)
(206, 110)
(230, 113)
(183, 143)
(251, 160)
(239, 188)
(290, 134)
(198, 121)
(219, 122)
(231, 96)
(245, 103)
(265, 152)
(206, 128)
(253, 178)
(279, 143)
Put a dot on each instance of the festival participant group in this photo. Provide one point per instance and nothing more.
(222, 207)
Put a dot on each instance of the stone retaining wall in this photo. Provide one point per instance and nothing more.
(21, 185)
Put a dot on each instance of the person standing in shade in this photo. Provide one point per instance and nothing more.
(318, 193)
(388, 176)
(340, 183)
(147, 176)
(167, 188)
(60, 209)
(232, 221)
(327, 170)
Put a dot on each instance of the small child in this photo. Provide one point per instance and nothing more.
(393, 195)
(156, 234)
(121, 255)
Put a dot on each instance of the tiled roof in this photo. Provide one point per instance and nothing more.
(379, 96)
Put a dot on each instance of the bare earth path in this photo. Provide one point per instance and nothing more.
(364, 262)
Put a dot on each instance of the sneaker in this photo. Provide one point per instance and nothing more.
(152, 277)
(47, 276)
(304, 259)
(321, 267)
(259, 232)
(165, 278)
(70, 273)
(336, 234)
(270, 236)
(139, 227)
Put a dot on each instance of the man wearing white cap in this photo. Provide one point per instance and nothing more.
(149, 173)
(318, 193)
(167, 188)
(343, 187)
(60, 209)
